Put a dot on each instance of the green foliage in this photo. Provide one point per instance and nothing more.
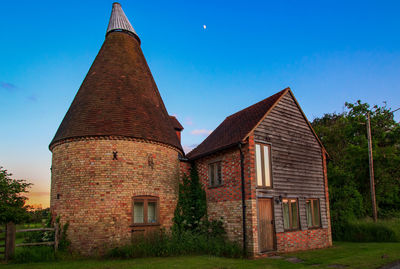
(367, 231)
(12, 202)
(187, 243)
(191, 210)
(40, 236)
(345, 137)
(64, 242)
(34, 254)
(38, 215)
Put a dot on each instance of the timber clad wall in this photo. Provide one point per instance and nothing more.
(297, 165)
(94, 193)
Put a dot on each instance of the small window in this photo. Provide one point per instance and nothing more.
(145, 210)
(313, 213)
(215, 174)
(263, 165)
(290, 214)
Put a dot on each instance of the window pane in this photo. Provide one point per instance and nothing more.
(219, 175)
(151, 212)
(309, 213)
(258, 165)
(294, 215)
(286, 222)
(212, 174)
(267, 167)
(138, 212)
(316, 213)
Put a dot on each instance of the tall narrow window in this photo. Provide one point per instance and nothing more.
(263, 165)
(290, 214)
(145, 210)
(215, 174)
(151, 212)
(313, 213)
(138, 208)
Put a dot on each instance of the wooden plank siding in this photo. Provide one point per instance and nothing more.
(297, 169)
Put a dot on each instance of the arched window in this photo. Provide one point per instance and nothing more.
(145, 210)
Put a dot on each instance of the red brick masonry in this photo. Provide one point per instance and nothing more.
(302, 240)
(93, 191)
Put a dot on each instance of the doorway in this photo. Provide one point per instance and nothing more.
(266, 234)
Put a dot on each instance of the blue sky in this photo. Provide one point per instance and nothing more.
(328, 52)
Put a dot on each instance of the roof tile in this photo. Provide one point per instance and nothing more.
(235, 128)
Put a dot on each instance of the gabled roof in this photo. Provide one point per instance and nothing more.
(118, 97)
(237, 127)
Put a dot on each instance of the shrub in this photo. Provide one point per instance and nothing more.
(187, 243)
(366, 231)
(34, 254)
(64, 242)
(191, 209)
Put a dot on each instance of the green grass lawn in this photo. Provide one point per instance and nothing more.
(353, 255)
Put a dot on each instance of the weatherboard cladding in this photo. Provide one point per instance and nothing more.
(297, 165)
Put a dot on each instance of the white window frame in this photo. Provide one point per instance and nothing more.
(263, 164)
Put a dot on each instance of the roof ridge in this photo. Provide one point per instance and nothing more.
(251, 106)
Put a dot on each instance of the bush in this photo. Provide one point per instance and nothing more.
(187, 243)
(366, 231)
(34, 254)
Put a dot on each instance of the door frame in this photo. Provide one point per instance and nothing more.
(273, 226)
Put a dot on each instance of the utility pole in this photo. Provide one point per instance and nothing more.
(371, 169)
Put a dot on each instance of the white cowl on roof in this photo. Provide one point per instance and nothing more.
(119, 21)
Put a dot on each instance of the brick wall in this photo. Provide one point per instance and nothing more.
(302, 240)
(184, 168)
(94, 193)
(224, 202)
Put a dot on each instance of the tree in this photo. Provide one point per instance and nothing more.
(344, 136)
(191, 209)
(12, 201)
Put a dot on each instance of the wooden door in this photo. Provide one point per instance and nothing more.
(265, 224)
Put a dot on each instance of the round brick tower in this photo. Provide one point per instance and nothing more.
(115, 163)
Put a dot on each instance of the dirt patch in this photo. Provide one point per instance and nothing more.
(294, 260)
(337, 266)
(393, 265)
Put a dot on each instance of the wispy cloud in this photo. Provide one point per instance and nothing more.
(201, 132)
(39, 193)
(8, 86)
(189, 148)
(188, 121)
(32, 98)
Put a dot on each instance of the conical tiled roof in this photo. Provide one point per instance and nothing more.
(118, 97)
